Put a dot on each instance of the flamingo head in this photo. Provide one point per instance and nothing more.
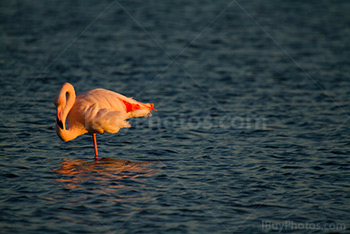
(59, 117)
(59, 103)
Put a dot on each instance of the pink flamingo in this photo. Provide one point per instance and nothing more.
(95, 111)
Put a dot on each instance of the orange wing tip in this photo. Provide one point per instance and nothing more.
(152, 107)
(130, 106)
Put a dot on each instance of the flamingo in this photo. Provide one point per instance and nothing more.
(95, 111)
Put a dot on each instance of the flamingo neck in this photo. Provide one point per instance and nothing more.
(67, 93)
(67, 134)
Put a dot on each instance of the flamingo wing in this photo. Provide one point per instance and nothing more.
(101, 120)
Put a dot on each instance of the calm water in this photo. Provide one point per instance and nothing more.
(251, 133)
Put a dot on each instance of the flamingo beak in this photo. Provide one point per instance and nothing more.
(59, 117)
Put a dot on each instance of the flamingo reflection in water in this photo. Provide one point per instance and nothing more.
(73, 173)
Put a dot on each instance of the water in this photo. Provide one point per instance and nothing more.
(251, 131)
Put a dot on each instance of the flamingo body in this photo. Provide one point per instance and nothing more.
(95, 111)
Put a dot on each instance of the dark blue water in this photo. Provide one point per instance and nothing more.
(251, 133)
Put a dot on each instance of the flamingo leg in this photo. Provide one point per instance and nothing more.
(95, 146)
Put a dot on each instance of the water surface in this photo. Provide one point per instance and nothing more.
(252, 127)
